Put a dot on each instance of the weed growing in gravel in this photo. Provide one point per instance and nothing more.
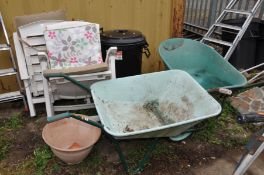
(42, 156)
(223, 130)
(14, 122)
(4, 145)
(56, 168)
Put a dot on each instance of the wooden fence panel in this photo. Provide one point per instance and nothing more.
(152, 17)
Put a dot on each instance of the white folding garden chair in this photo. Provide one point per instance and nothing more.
(73, 48)
(28, 41)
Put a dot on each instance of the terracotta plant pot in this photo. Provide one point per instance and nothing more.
(70, 140)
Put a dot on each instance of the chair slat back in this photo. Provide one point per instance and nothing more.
(32, 40)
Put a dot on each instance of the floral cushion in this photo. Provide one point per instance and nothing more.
(73, 46)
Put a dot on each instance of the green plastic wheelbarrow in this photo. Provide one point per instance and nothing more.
(202, 62)
(160, 104)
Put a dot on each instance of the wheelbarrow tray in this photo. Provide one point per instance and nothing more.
(202, 62)
(160, 104)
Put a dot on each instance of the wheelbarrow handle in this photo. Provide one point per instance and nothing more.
(250, 118)
(87, 120)
(59, 117)
(221, 90)
(67, 77)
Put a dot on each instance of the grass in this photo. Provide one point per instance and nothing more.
(96, 160)
(223, 130)
(136, 153)
(37, 164)
(4, 146)
(42, 156)
(162, 149)
(91, 165)
(12, 123)
(25, 168)
(56, 168)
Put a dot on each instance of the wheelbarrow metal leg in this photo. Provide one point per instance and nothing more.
(140, 166)
(120, 153)
(116, 143)
(151, 148)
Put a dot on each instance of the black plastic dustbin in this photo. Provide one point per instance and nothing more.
(244, 55)
(132, 43)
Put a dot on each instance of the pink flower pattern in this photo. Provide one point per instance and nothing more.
(74, 60)
(100, 60)
(49, 54)
(52, 34)
(59, 60)
(88, 35)
(73, 47)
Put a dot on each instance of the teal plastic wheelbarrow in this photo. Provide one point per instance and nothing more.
(160, 104)
(202, 62)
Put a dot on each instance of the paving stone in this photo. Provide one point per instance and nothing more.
(254, 93)
(246, 99)
(258, 93)
(251, 100)
(255, 105)
(262, 107)
(262, 88)
(240, 105)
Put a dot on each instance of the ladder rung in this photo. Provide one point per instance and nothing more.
(238, 11)
(4, 47)
(228, 26)
(6, 72)
(218, 41)
(5, 97)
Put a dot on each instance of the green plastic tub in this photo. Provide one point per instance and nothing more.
(202, 62)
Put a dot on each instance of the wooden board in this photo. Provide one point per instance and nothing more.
(8, 84)
(152, 17)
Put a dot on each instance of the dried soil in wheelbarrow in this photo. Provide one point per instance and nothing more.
(149, 114)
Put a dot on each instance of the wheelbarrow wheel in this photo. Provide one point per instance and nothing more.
(180, 137)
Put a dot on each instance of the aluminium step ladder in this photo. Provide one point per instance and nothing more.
(250, 156)
(241, 30)
(15, 95)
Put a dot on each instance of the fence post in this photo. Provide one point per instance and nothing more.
(177, 17)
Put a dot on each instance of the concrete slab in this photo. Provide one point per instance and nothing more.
(227, 164)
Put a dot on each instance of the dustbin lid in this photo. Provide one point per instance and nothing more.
(123, 37)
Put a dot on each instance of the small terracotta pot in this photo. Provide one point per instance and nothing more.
(70, 140)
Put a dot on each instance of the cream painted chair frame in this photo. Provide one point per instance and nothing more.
(31, 56)
(28, 63)
(52, 86)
